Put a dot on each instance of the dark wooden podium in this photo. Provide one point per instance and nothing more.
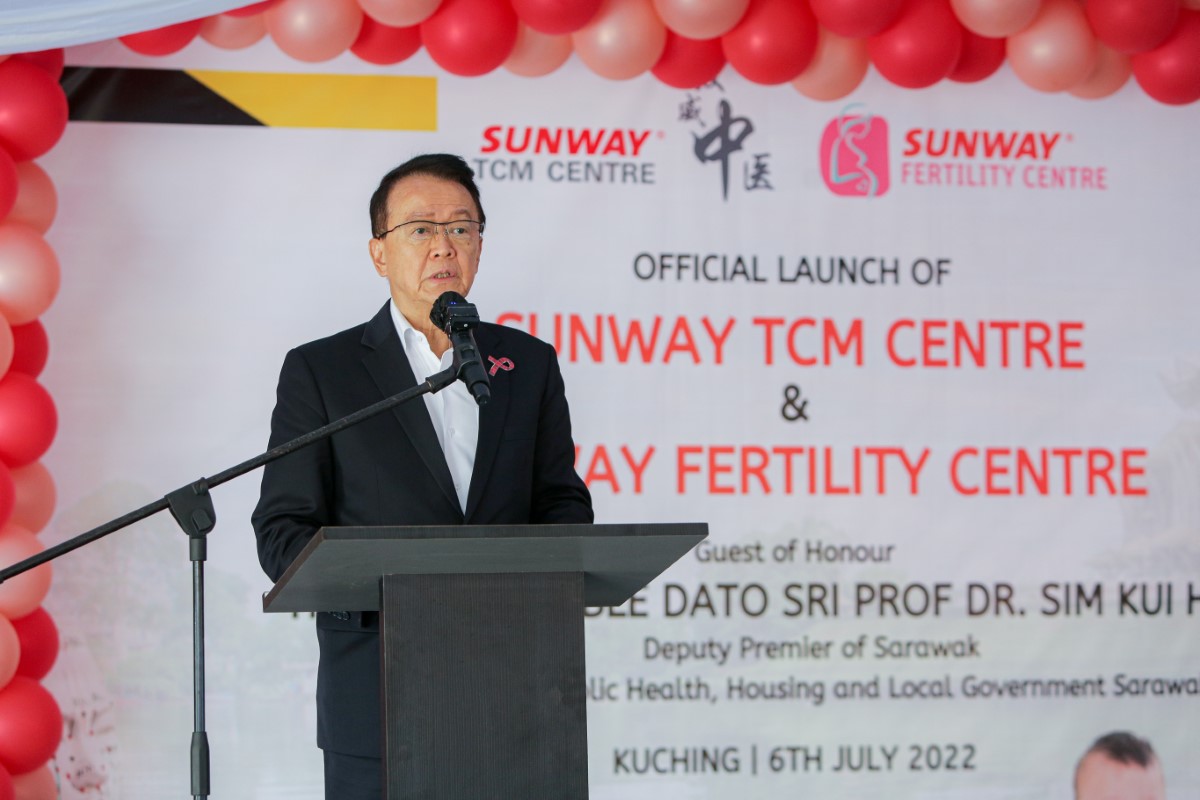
(483, 673)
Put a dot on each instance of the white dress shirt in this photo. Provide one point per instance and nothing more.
(454, 412)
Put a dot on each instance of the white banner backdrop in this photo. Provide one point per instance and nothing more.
(927, 363)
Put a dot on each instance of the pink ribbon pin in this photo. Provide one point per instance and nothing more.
(501, 363)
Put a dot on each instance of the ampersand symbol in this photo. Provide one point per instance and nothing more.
(792, 410)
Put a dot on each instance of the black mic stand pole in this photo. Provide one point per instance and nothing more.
(192, 508)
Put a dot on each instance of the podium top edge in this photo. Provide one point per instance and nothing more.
(531, 531)
(339, 568)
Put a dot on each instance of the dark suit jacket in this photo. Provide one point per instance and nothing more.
(389, 470)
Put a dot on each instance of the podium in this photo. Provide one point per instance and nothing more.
(481, 639)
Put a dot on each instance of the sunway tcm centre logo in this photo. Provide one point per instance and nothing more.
(854, 155)
(566, 155)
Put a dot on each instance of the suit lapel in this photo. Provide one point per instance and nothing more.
(389, 368)
(491, 418)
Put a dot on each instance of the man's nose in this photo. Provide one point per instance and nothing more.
(441, 241)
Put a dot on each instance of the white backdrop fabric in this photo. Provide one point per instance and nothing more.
(195, 256)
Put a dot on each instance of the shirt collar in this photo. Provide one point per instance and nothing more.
(408, 334)
(415, 345)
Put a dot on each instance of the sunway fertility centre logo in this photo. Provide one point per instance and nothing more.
(855, 158)
(854, 154)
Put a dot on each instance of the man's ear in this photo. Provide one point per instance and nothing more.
(375, 247)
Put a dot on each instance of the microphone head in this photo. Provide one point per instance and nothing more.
(439, 315)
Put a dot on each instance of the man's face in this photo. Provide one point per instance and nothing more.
(1101, 778)
(418, 272)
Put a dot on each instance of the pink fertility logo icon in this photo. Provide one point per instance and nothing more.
(854, 155)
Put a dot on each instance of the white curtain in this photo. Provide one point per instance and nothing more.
(28, 25)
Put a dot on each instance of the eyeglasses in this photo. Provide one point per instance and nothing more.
(422, 230)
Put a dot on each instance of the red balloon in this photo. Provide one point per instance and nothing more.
(233, 33)
(536, 54)
(41, 784)
(922, 47)
(31, 348)
(29, 273)
(34, 497)
(8, 791)
(470, 37)
(31, 725)
(10, 182)
(1132, 26)
(981, 57)
(39, 644)
(33, 109)
(314, 30)
(163, 41)
(20, 596)
(7, 345)
(37, 199)
(1111, 72)
(252, 9)
(8, 495)
(856, 19)
(52, 61)
(556, 16)
(774, 42)
(1170, 73)
(383, 44)
(688, 63)
(28, 420)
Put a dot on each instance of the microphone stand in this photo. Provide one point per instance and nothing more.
(192, 508)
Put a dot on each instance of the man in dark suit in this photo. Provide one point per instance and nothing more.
(445, 461)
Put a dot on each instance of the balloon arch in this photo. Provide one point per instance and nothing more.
(33, 115)
(823, 48)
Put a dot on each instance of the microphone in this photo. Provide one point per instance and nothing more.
(453, 314)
